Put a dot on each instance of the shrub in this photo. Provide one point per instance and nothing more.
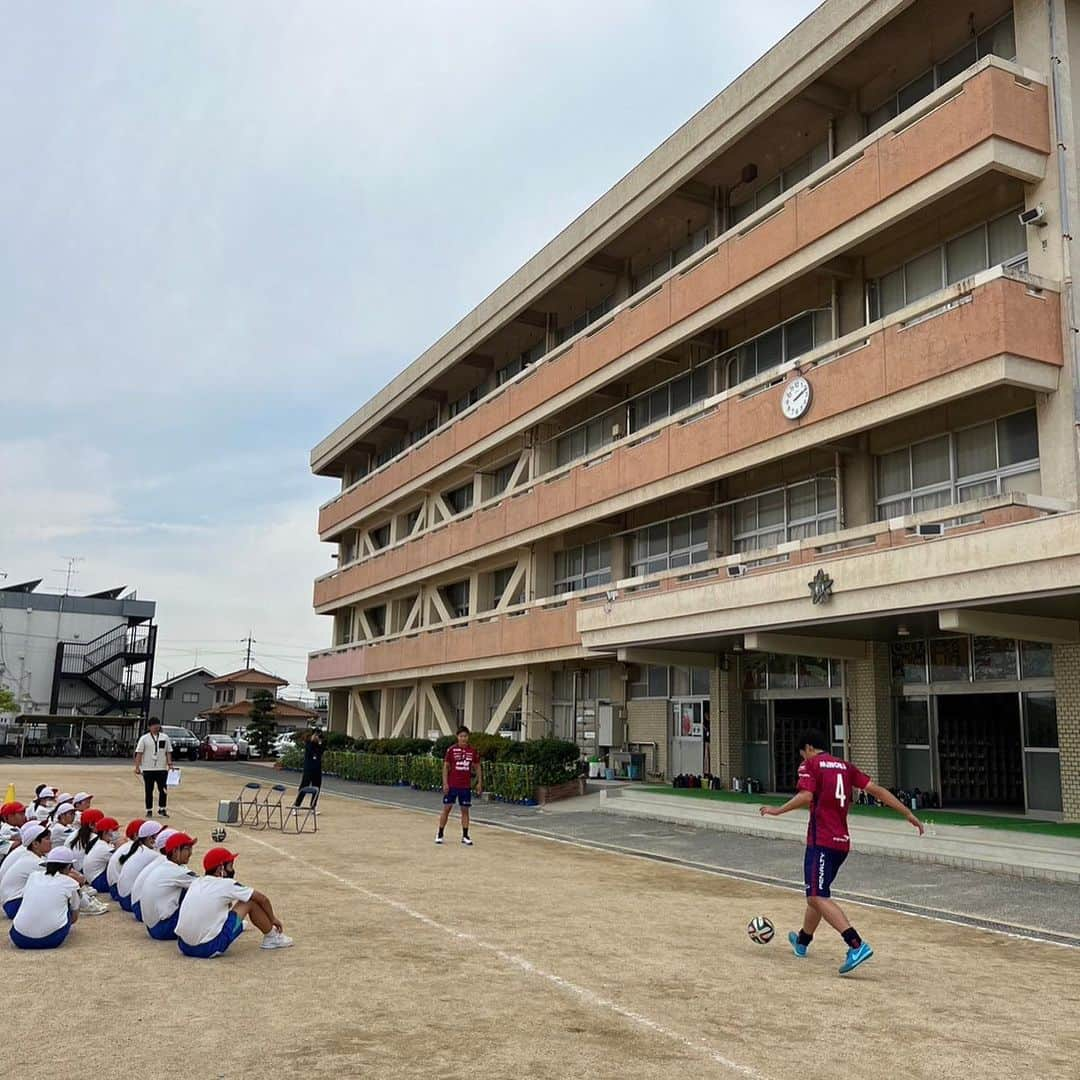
(292, 758)
(554, 761)
(425, 773)
(512, 783)
(490, 747)
(398, 747)
(338, 740)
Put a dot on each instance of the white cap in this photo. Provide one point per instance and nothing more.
(61, 854)
(81, 795)
(64, 796)
(64, 808)
(46, 793)
(148, 828)
(31, 831)
(159, 841)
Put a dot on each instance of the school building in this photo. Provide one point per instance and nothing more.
(781, 430)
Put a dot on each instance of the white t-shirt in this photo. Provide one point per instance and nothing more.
(62, 834)
(155, 752)
(46, 903)
(132, 868)
(162, 884)
(8, 835)
(112, 873)
(17, 869)
(207, 906)
(96, 860)
(137, 886)
(38, 813)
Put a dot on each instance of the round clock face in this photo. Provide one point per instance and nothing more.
(796, 399)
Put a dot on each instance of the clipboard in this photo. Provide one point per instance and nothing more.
(173, 779)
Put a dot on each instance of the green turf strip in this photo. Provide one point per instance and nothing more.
(938, 817)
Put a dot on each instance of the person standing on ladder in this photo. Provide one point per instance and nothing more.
(153, 760)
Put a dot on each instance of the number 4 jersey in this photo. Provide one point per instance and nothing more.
(831, 781)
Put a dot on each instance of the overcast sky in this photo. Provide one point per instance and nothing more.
(217, 219)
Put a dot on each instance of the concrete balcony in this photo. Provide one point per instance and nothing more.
(995, 329)
(993, 117)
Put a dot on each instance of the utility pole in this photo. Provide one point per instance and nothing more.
(250, 641)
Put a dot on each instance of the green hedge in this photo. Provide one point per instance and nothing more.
(425, 773)
(292, 758)
(510, 783)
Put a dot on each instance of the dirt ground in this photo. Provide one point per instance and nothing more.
(519, 957)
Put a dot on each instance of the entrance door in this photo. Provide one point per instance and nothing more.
(980, 752)
(792, 715)
(689, 723)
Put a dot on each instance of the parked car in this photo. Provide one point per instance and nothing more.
(283, 742)
(245, 748)
(185, 743)
(218, 748)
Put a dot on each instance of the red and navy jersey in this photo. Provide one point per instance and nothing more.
(831, 781)
(460, 760)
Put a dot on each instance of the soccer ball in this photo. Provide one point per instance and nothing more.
(760, 930)
(219, 838)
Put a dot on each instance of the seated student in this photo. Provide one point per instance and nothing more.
(164, 886)
(113, 871)
(137, 888)
(12, 819)
(44, 801)
(98, 852)
(213, 912)
(36, 844)
(134, 860)
(84, 837)
(62, 824)
(50, 904)
(81, 801)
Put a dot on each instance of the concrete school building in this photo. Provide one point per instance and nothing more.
(781, 430)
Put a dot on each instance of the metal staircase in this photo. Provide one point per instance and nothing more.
(110, 675)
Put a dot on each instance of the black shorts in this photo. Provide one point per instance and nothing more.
(820, 867)
(462, 795)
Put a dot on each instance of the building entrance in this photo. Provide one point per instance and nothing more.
(790, 716)
(980, 750)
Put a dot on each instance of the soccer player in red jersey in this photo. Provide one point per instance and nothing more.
(458, 765)
(825, 786)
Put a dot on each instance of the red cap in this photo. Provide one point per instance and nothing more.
(10, 808)
(179, 840)
(91, 815)
(215, 857)
(106, 824)
(133, 828)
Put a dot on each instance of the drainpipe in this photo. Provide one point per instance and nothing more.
(1056, 54)
(841, 517)
(832, 137)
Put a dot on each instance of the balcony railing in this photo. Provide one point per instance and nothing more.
(993, 98)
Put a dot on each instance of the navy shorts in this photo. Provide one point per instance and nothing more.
(101, 883)
(166, 929)
(820, 867)
(11, 908)
(233, 928)
(461, 795)
(52, 941)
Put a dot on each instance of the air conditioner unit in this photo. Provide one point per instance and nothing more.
(1036, 216)
(736, 571)
(936, 529)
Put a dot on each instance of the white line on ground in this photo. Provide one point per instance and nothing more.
(526, 967)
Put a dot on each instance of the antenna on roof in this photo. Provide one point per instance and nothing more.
(70, 572)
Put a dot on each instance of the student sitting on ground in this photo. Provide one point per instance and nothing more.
(99, 851)
(36, 844)
(50, 905)
(159, 856)
(84, 837)
(134, 860)
(44, 801)
(113, 872)
(12, 819)
(164, 886)
(81, 801)
(213, 912)
(62, 825)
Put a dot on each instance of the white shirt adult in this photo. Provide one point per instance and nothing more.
(97, 859)
(17, 870)
(163, 884)
(154, 753)
(132, 868)
(206, 907)
(47, 902)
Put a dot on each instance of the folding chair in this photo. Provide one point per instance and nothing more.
(249, 807)
(302, 815)
(270, 806)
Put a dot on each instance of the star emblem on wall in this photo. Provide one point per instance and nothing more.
(820, 587)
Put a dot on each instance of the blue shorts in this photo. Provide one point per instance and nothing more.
(136, 910)
(53, 940)
(820, 867)
(461, 795)
(101, 883)
(114, 892)
(125, 902)
(166, 929)
(233, 928)
(12, 906)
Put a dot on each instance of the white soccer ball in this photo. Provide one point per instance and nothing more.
(760, 930)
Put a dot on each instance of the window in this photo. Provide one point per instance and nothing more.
(987, 459)
(376, 620)
(796, 172)
(689, 682)
(500, 478)
(1036, 660)
(467, 400)
(778, 346)
(380, 537)
(670, 259)
(520, 362)
(998, 40)
(995, 243)
(671, 544)
(459, 499)
(497, 690)
(670, 397)
(453, 694)
(792, 513)
(584, 439)
(586, 318)
(1040, 721)
(909, 663)
(457, 598)
(190, 697)
(582, 567)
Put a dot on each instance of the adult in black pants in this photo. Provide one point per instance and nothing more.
(153, 759)
(313, 752)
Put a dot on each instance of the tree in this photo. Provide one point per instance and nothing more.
(8, 702)
(262, 730)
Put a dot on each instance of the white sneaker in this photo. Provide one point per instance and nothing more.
(466, 841)
(276, 940)
(438, 838)
(91, 905)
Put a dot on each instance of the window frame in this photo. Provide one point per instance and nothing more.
(819, 518)
(565, 583)
(695, 552)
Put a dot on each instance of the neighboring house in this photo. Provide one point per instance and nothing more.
(232, 697)
(180, 699)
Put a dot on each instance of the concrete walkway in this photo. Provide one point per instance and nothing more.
(999, 851)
